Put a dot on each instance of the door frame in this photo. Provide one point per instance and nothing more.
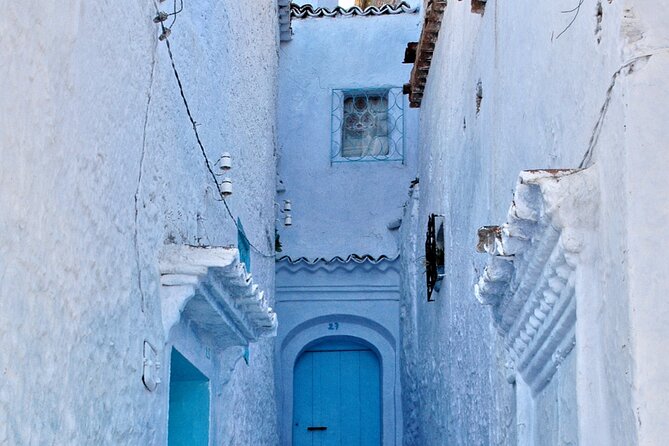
(363, 331)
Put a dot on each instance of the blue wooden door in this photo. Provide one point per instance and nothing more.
(188, 423)
(337, 398)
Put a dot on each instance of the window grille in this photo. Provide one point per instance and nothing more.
(367, 125)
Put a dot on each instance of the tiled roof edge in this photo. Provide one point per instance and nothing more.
(338, 259)
(308, 11)
(424, 50)
(366, 262)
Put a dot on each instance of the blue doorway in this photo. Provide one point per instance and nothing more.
(188, 423)
(337, 396)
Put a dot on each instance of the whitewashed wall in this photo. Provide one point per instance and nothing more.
(546, 101)
(98, 169)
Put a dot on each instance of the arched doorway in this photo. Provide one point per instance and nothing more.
(337, 395)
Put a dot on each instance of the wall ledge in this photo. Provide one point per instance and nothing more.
(529, 279)
(211, 288)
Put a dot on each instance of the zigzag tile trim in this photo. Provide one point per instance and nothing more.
(529, 279)
(381, 262)
(308, 11)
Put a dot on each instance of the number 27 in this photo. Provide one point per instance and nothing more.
(333, 326)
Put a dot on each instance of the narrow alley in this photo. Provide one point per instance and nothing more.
(336, 222)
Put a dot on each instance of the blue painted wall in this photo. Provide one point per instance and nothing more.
(352, 301)
(342, 208)
(188, 423)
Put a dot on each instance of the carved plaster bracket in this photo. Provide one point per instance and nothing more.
(211, 288)
(529, 279)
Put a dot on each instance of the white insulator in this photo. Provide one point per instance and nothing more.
(226, 161)
(226, 187)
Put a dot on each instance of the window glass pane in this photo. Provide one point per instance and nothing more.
(365, 127)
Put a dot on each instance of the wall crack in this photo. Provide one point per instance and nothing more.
(139, 176)
(626, 68)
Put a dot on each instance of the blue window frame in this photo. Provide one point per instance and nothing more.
(367, 125)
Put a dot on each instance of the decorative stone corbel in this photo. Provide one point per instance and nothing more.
(529, 278)
(210, 287)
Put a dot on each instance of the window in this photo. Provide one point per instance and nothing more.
(365, 131)
(367, 125)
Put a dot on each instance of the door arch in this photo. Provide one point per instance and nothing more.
(351, 327)
(337, 395)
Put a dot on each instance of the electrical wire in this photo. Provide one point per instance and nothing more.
(175, 12)
(199, 141)
(576, 10)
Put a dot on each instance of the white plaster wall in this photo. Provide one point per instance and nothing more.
(99, 168)
(543, 98)
(647, 94)
(342, 208)
(556, 415)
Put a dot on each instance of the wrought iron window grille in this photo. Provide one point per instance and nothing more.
(367, 125)
(434, 254)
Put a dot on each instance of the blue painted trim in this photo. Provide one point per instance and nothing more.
(189, 404)
(243, 245)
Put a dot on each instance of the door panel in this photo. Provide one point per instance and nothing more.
(303, 401)
(370, 431)
(188, 423)
(350, 415)
(337, 386)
